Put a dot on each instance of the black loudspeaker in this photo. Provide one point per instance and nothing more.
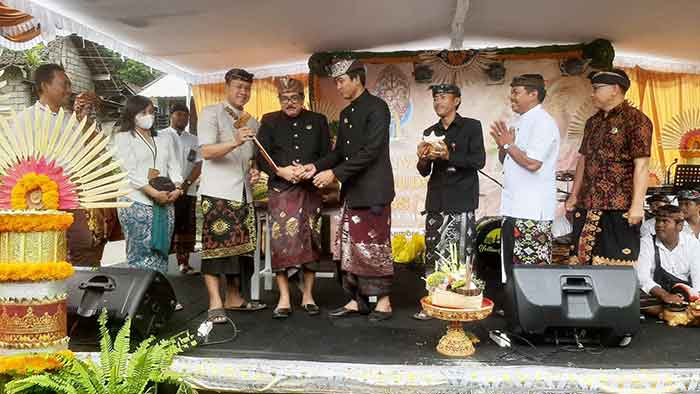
(552, 297)
(145, 296)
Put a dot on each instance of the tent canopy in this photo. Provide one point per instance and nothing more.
(198, 41)
(166, 86)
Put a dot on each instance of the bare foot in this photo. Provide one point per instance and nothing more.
(352, 305)
(306, 300)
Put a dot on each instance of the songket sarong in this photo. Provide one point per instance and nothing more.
(442, 230)
(523, 241)
(185, 225)
(604, 237)
(228, 230)
(295, 223)
(137, 224)
(364, 250)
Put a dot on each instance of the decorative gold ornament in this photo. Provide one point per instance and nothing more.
(32, 323)
(456, 342)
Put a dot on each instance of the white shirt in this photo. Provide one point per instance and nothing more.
(689, 230)
(29, 113)
(138, 157)
(649, 228)
(527, 194)
(683, 261)
(225, 177)
(188, 154)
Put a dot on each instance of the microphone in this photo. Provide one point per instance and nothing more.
(668, 171)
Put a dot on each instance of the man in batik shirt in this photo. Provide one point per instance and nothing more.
(611, 176)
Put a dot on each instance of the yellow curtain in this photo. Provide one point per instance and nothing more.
(667, 99)
(263, 95)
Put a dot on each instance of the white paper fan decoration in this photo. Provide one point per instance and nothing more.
(68, 159)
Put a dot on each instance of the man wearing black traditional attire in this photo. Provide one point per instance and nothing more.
(293, 137)
(361, 162)
(451, 153)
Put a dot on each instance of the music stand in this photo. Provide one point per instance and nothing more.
(687, 176)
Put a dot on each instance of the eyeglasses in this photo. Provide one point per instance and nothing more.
(294, 99)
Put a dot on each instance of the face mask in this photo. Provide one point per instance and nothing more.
(145, 121)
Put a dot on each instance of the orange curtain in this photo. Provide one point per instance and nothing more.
(263, 95)
(669, 100)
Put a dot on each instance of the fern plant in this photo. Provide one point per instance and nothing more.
(118, 372)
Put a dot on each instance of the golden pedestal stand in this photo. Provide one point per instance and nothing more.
(456, 342)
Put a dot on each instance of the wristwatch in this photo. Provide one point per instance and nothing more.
(506, 147)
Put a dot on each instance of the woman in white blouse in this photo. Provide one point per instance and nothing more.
(146, 155)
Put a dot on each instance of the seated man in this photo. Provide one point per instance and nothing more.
(689, 202)
(655, 201)
(666, 259)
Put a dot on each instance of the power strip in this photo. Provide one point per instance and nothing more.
(499, 338)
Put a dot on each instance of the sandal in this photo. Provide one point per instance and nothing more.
(249, 306)
(217, 316)
(422, 316)
(311, 309)
(186, 269)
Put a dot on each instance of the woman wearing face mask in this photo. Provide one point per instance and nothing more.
(155, 177)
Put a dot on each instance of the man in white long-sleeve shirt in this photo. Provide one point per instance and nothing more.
(669, 258)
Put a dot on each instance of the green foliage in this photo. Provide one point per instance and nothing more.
(129, 70)
(119, 372)
(34, 57)
(458, 284)
(136, 73)
(436, 278)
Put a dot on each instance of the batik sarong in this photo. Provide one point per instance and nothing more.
(364, 250)
(228, 230)
(604, 237)
(137, 224)
(295, 224)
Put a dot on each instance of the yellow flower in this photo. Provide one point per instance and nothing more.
(35, 272)
(28, 364)
(21, 223)
(30, 182)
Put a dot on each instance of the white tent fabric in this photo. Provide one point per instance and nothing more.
(166, 86)
(199, 41)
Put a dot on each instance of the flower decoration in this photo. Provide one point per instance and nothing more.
(31, 223)
(30, 175)
(29, 364)
(35, 272)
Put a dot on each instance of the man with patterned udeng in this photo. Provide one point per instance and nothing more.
(361, 162)
(292, 137)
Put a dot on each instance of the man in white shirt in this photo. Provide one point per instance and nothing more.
(225, 133)
(655, 201)
(529, 150)
(53, 87)
(669, 258)
(190, 158)
(689, 202)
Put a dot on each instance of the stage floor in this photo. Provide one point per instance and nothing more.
(318, 345)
